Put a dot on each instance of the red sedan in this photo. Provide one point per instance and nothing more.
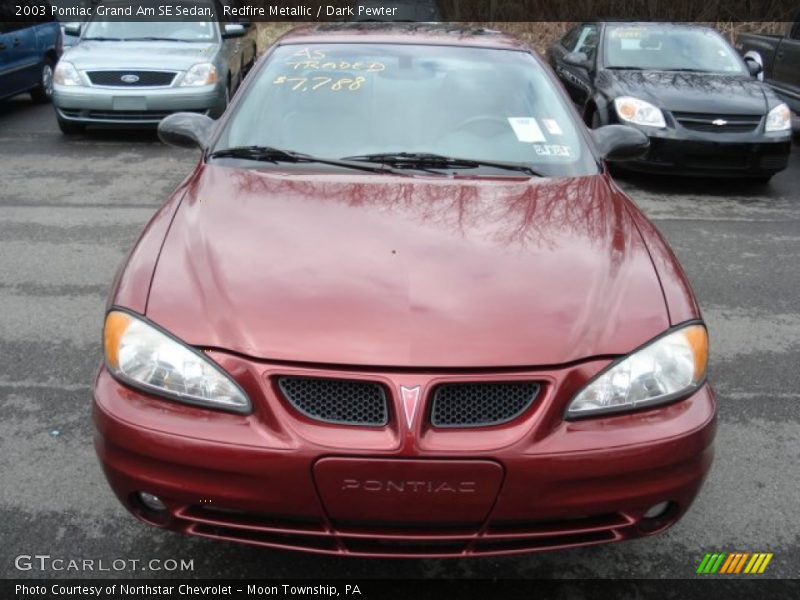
(399, 308)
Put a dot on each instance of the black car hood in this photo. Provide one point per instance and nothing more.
(689, 92)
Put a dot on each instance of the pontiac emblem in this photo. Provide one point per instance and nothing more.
(410, 397)
(719, 122)
(130, 78)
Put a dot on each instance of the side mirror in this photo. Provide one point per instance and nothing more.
(620, 142)
(578, 59)
(72, 29)
(186, 130)
(753, 66)
(233, 30)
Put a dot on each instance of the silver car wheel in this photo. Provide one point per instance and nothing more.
(47, 79)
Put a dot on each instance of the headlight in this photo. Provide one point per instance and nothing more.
(66, 74)
(779, 119)
(638, 112)
(667, 368)
(140, 354)
(202, 74)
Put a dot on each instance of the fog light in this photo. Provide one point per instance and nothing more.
(152, 502)
(656, 510)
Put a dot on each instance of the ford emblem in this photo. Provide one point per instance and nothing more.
(129, 78)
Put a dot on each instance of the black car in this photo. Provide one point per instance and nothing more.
(685, 88)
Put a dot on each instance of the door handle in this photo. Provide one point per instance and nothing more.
(16, 42)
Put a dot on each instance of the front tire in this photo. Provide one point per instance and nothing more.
(44, 91)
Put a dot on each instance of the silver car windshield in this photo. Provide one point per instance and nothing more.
(345, 100)
(670, 48)
(187, 31)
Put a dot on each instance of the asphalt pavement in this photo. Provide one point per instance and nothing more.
(71, 208)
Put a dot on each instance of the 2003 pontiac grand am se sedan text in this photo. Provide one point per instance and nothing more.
(399, 308)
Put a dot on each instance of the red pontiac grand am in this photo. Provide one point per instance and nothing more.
(399, 308)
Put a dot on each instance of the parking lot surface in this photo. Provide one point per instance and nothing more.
(71, 208)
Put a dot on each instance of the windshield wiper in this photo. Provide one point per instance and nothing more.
(155, 39)
(625, 68)
(425, 160)
(277, 155)
(687, 70)
(102, 39)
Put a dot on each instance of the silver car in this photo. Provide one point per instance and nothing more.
(136, 73)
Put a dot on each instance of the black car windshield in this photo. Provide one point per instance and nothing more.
(670, 48)
(359, 101)
(180, 31)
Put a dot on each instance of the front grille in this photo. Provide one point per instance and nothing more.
(481, 404)
(337, 400)
(705, 122)
(120, 115)
(382, 539)
(143, 78)
(776, 162)
(711, 161)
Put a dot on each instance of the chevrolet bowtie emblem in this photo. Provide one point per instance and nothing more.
(719, 122)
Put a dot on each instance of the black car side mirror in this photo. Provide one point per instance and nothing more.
(620, 142)
(752, 66)
(186, 130)
(578, 59)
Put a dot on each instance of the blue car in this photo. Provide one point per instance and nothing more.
(29, 52)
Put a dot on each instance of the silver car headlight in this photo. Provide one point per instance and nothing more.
(638, 112)
(667, 368)
(66, 74)
(142, 355)
(201, 74)
(779, 119)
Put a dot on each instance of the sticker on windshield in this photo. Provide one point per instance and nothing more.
(622, 33)
(552, 150)
(526, 129)
(552, 127)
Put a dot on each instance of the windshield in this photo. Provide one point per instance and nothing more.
(182, 31)
(347, 100)
(670, 48)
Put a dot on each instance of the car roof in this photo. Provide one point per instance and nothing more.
(403, 33)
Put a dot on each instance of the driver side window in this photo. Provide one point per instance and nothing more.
(587, 41)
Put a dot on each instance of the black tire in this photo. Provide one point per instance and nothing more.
(69, 128)
(44, 91)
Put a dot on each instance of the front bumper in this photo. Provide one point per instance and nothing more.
(106, 106)
(276, 478)
(681, 151)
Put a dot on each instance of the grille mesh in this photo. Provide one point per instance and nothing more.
(337, 400)
(480, 404)
(146, 78)
(705, 122)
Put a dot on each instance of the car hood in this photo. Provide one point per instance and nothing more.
(690, 92)
(406, 272)
(175, 56)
